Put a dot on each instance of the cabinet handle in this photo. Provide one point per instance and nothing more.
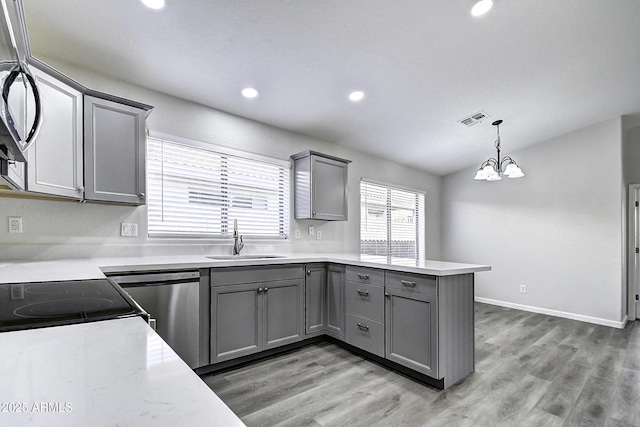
(80, 189)
(363, 327)
(363, 293)
(259, 290)
(363, 276)
(386, 294)
(408, 283)
(266, 289)
(142, 195)
(308, 272)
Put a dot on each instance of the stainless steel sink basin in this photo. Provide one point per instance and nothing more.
(248, 256)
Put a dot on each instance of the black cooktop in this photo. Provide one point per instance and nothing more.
(40, 304)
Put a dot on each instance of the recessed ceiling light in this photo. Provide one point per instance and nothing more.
(481, 7)
(249, 92)
(356, 96)
(154, 4)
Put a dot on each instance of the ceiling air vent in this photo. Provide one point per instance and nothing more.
(474, 119)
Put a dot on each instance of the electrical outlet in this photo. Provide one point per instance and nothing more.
(15, 225)
(129, 229)
(319, 235)
(523, 289)
(297, 233)
(312, 230)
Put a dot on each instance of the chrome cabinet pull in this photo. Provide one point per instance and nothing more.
(363, 293)
(308, 271)
(259, 290)
(266, 289)
(363, 276)
(142, 195)
(363, 327)
(386, 294)
(408, 283)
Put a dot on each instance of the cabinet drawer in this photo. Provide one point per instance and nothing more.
(366, 334)
(365, 275)
(365, 300)
(412, 282)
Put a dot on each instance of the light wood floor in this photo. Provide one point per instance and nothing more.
(531, 370)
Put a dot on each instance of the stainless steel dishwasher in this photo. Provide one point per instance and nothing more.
(172, 299)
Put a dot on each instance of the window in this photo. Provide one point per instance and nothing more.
(391, 221)
(197, 190)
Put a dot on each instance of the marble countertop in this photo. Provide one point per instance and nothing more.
(92, 268)
(106, 373)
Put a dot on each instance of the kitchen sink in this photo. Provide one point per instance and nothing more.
(248, 256)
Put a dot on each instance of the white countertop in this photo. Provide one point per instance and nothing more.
(93, 268)
(120, 372)
(106, 373)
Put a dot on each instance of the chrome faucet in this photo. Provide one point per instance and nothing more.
(237, 245)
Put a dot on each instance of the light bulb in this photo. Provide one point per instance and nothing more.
(481, 7)
(249, 92)
(154, 4)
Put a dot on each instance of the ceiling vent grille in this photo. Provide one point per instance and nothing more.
(475, 118)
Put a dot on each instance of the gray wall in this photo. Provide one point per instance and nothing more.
(67, 229)
(559, 230)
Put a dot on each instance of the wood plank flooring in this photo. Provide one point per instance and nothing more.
(531, 370)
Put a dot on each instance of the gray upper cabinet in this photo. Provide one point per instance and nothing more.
(320, 186)
(114, 144)
(55, 161)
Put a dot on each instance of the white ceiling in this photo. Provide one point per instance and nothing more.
(546, 67)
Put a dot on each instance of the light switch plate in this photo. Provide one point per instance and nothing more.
(129, 229)
(312, 230)
(319, 235)
(297, 233)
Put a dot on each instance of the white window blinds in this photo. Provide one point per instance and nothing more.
(391, 221)
(197, 192)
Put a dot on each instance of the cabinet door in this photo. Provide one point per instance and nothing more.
(236, 321)
(315, 295)
(411, 331)
(283, 312)
(54, 162)
(114, 144)
(328, 189)
(335, 301)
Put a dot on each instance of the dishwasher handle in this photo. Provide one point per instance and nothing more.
(155, 279)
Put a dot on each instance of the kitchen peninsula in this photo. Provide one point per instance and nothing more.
(124, 366)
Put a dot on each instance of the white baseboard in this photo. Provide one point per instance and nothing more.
(572, 316)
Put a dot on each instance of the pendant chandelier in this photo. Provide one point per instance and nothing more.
(494, 169)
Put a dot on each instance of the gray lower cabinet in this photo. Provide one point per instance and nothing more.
(315, 283)
(411, 330)
(236, 321)
(335, 301)
(364, 304)
(114, 147)
(324, 300)
(247, 318)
